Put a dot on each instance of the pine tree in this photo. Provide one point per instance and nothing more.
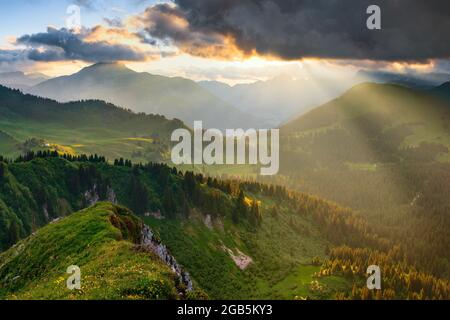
(13, 233)
(169, 206)
(240, 209)
(139, 196)
(2, 170)
(255, 215)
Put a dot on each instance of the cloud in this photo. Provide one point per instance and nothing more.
(62, 44)
(412, 30)
(11, 55)
(114, 22)
(168, 25)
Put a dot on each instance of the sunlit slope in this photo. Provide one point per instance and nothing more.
(370, 123)
(82, 127)
(100, 240)
(381, 150)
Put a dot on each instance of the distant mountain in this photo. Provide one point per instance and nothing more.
(91, 126)
(279, 99)
(443, 90)
(285, 98)
(142, 92)
(411, 80)
(19, 80)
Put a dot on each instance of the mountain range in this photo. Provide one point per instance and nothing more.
(262, 104)
(284, 98)
(279, 99)
(20, 80)
(413, 80)
(143, 92)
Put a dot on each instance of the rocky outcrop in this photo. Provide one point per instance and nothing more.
(92, 196)
(241, 260)
(208, 222)
(157, 215)
(111, 196)
(150, 242)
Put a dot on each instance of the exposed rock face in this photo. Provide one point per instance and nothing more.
(111, 196)
(91, 196)
(44, 208)
(157, 215)
(240, 259)
(208, 222)
(150, 242)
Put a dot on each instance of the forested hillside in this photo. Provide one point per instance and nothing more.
(237, 239)
(382, 150)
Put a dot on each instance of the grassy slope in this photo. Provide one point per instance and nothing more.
(84, 127)
(111, 269)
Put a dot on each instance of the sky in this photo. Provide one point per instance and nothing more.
(228, 40)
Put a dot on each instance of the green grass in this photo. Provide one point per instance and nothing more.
(299, 284)
(362, 166)
(100, 240)
(86, 127)
(7, 142)
(110, 143)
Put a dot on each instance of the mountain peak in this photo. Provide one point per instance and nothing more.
(108, 66)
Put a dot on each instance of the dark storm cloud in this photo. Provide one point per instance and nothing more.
(46, 55)
(291, 29)
(115, 22)
(62, 44)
